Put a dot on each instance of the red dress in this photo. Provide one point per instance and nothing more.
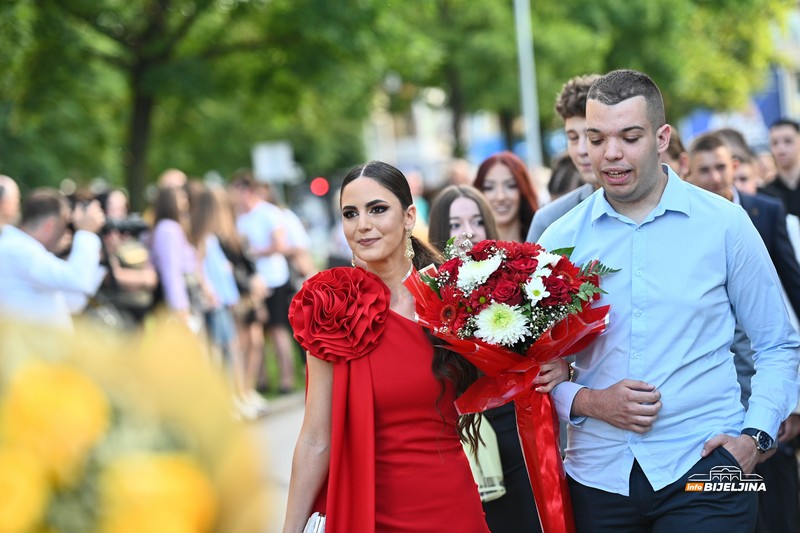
(397, 464)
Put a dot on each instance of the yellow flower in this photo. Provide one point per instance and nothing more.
(156, 493)
(24, 490)
(55, 412)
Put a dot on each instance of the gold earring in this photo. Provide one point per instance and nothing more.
(353, 261)
(409, 253)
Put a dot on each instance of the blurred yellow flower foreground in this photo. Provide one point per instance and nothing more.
(110, 434)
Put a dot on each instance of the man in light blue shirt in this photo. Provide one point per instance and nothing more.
(656, 403)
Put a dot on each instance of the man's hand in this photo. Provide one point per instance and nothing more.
(789, 429)
(629, 404)
(89, 218)
(743, 448)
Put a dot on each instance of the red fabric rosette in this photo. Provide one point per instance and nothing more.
(340, 312)
(338, 316)
(509, 376)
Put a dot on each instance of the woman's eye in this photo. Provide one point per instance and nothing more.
(349, 214)
(455, 226)
(378, 209)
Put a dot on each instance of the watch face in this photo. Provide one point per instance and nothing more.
(764, 440)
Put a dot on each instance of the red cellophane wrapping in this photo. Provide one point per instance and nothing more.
(508, 376)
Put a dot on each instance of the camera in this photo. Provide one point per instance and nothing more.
(132, 225)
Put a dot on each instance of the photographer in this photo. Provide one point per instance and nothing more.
(34, 283)
(131, 281)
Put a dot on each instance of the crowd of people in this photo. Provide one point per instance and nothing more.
(222, 261)
(698, 368)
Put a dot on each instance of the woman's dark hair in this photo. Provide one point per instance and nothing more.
(439, 217)
(528, 201)
(165, 205)
(447, 365)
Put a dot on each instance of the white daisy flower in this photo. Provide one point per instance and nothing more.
(501, 324)
(546, 259)
(535, 289)
(474, 273)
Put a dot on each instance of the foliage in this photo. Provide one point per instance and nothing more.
(123, 89)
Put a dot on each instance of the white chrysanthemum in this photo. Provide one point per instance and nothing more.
(535, 289)
(546, 259)
(501, 324)
(474, 273)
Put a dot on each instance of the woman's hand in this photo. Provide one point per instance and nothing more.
(551, 374)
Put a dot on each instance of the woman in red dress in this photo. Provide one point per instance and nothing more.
(379, 449)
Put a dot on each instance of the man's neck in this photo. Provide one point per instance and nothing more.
(790, 176)
(638, 210)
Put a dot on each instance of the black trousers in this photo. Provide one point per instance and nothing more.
(669, 510)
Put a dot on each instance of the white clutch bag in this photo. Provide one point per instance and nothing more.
(487, 469)
(315, 524)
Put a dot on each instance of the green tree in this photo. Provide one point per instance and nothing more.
(184, 82)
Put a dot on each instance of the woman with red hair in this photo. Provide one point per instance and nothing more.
(504, 180)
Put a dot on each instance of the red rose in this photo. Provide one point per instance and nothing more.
(526, 265)
(507, 292)
(513, 250)
(482, 250)
(339, 314)
(449, 270)
(559, 290)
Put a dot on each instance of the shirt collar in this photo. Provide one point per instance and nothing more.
(674, 198)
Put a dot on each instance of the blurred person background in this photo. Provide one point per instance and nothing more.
(35, 284)
(505, 182)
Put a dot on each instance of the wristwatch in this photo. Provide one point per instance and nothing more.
(763, 441)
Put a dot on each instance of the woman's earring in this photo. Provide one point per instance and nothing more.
(409, 246)
(353, 261)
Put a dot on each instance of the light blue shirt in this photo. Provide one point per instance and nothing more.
(691, 268)
(219, 272)
(258, 226)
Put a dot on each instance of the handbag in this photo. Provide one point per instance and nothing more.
(487, 468)
(315, 524)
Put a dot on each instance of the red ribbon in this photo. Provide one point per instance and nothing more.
(509, 376)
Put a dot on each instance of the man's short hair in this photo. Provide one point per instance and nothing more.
(43, 203)
(243, 179)
(786, 122)
(675, 147)
(708, 142)
(620, 85)
(571, 101)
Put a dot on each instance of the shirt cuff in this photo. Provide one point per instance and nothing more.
(764, 419)
(563, 395)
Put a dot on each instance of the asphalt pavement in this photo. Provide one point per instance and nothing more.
(278, 431)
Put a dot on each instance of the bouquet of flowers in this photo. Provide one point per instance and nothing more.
(101, 433)
(507, 307)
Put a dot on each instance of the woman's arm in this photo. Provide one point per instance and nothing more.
(312, 452)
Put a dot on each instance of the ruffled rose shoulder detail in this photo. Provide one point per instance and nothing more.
(340, 313)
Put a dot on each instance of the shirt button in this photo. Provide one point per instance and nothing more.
(639, 312)
(636, 355)
(638, 272)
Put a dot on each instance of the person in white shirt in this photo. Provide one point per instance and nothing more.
(9, 201)
(34, 283)
(262, 226)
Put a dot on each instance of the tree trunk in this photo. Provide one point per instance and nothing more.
(135, 159)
